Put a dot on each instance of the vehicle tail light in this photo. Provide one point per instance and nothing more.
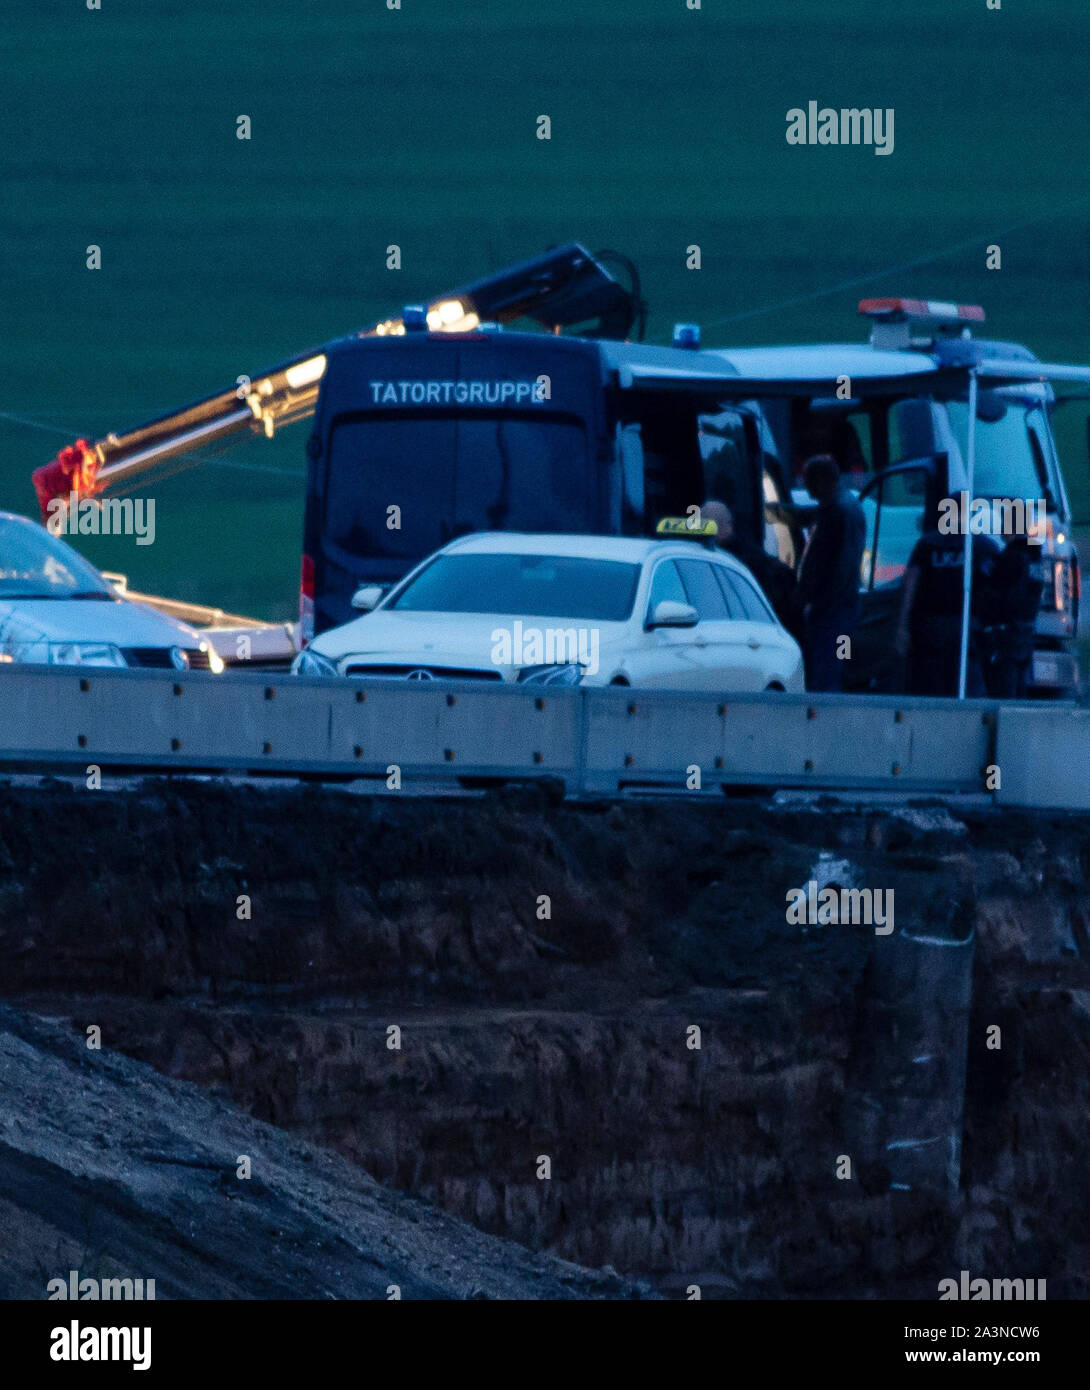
(1065, 586)
(306, 600)
(1061, 591)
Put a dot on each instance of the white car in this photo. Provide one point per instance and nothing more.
(56, 609)
(567, 610)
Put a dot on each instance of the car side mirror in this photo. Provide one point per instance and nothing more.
(366, 598)
(670, 613)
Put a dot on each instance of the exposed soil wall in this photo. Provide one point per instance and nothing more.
(563, 1030)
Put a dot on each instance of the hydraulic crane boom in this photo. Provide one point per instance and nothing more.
(561, 288)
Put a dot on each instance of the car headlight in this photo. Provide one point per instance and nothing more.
(568, 674)
(27, 652)
(84, 654)
(312, 663)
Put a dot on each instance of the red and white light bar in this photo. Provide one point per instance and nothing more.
(934, 310)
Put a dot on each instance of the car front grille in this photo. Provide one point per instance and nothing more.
(439, 673)
(159, 658)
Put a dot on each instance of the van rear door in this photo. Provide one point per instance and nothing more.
(899, 504)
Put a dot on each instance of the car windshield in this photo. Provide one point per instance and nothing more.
(1007, 460)
(547, 586)
(34, 564)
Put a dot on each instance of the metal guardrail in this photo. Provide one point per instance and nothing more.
(1043, 753)
(834, 741)
(593, 741)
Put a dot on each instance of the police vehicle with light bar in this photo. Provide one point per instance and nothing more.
(895, 415)
(423, 437)
(438, 424)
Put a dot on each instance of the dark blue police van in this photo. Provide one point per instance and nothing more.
(429, 435)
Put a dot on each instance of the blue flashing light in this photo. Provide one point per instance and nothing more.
(686, 335)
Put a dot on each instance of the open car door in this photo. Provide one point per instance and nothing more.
(899, 503)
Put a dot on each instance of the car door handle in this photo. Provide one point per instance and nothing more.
(752, 642)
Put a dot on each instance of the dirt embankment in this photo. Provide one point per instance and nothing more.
(546, 967)
(111, 1170)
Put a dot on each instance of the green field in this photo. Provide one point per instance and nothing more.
(418, 127)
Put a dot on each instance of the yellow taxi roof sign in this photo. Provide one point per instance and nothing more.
(693, 528)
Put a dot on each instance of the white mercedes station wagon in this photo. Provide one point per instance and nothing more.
(567, 610)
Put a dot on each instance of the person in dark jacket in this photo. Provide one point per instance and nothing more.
(929, 625)
(828, 589)
(775, 578)
(1009, 634)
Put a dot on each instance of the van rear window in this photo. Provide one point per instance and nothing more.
(405, 484)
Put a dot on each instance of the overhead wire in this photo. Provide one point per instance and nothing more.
(892, 270)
